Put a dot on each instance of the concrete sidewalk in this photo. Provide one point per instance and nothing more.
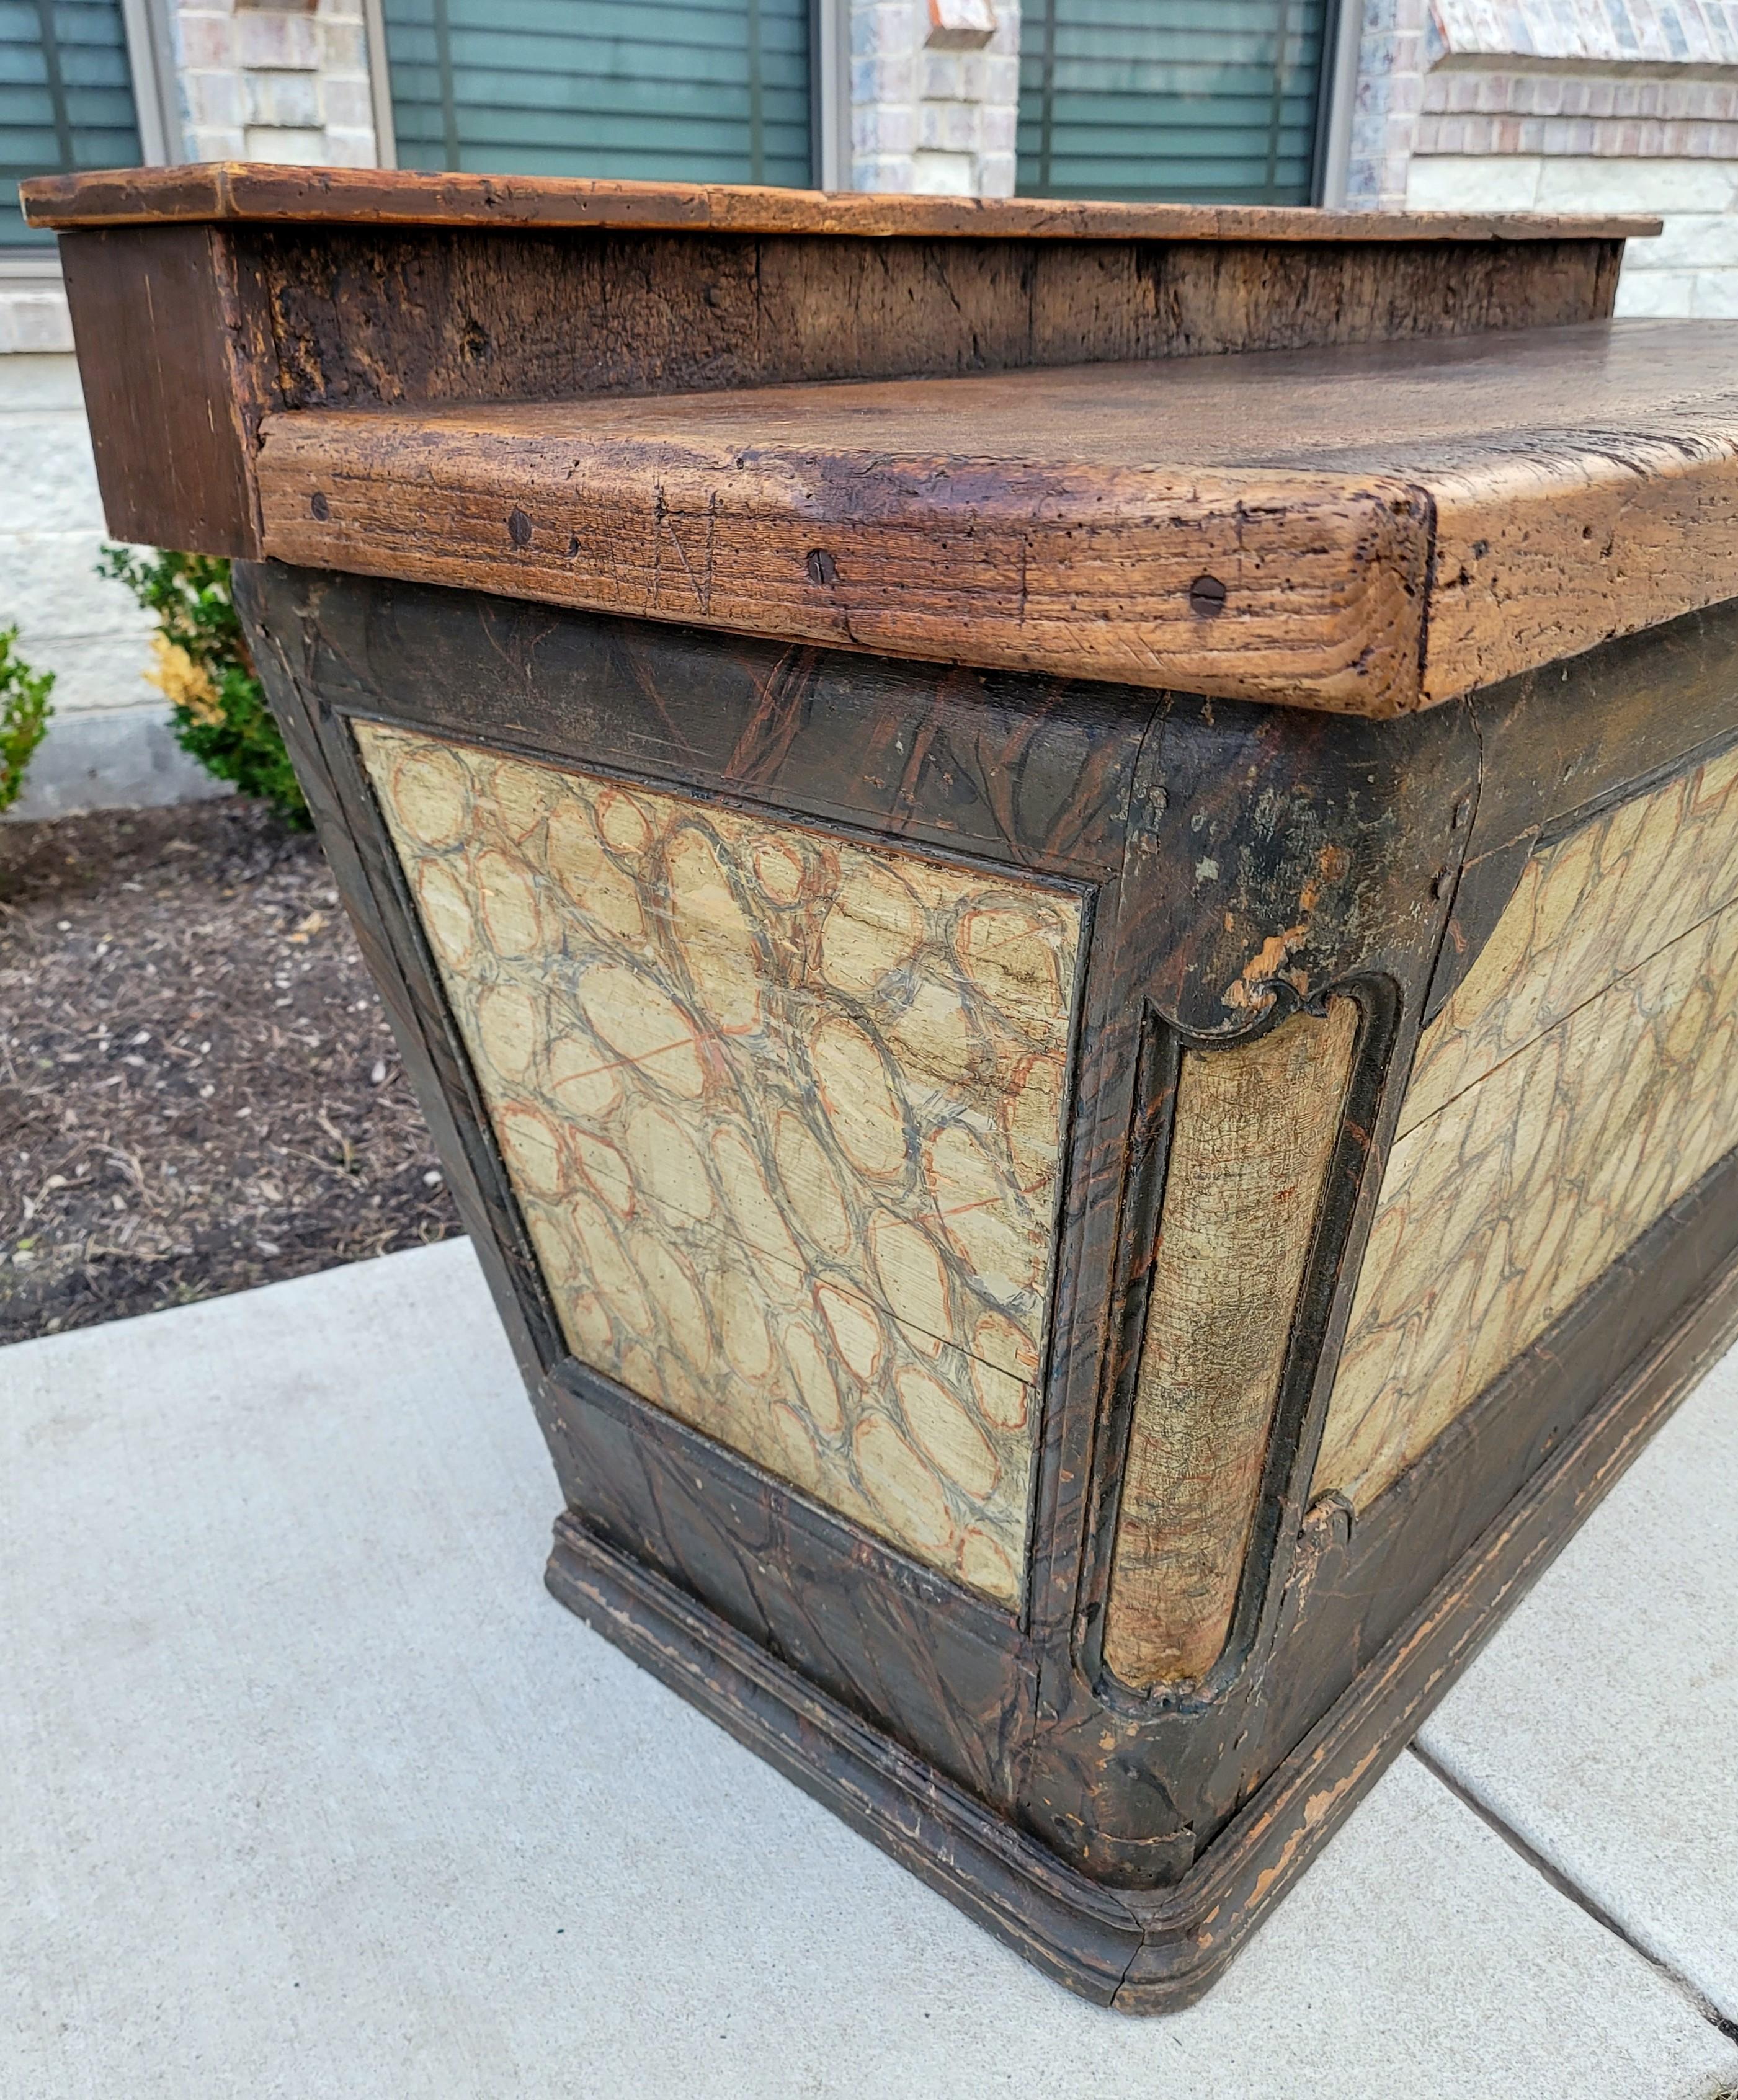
(309, 1789)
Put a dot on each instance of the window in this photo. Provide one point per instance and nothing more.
(689, 90)
(1171, 99)
(66, 99)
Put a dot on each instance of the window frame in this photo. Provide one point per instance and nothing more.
(150, 73)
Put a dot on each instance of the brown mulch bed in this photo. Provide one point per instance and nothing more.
(199, 1090)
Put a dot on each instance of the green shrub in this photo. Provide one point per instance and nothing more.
(24, 716)
(204, 671)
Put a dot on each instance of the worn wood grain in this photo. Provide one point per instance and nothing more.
(1586, 535)
(1226, 525)
(240, 190)
(366, 315)
(379, 308)
(197, 390)
(1255, 1129)
(1074, 572)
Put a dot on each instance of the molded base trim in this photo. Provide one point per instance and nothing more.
(1136, 1951)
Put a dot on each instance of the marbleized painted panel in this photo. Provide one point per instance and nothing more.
(784, 1117)
(1500, 1209)
(1587, 908)
(1254, 1131)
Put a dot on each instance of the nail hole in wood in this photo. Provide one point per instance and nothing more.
(318, 504)
(822, 568)
(518, 528)
(1206, 597)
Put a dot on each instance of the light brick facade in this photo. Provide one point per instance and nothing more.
(273, 83)
(935, 93)
(1562, 105)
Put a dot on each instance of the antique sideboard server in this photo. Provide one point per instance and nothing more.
(1062, 882)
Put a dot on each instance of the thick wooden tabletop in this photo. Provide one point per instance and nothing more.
(226, 191)
(1368, 530)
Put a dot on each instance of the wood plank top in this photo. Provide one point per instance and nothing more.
(1367, 530)
(236, 191)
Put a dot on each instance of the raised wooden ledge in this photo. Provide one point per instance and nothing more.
(237, 191)
(1224, 525)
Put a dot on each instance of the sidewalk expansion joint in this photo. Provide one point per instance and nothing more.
(1577, 1895)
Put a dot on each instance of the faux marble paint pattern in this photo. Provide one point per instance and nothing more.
(1577, 1083)
(783, 1115)
(1586, 909)
(1502, 1208)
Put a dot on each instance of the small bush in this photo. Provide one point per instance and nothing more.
(204, 671)
(24, 716)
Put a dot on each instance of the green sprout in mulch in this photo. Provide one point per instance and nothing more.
(204, 671)
(24, 711)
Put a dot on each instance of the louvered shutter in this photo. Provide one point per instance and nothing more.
(1170, 99)
(66, 98)
(699, 90)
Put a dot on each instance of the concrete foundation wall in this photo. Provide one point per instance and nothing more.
(1692, 269)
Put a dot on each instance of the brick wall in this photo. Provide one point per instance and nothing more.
(274, 83)
(935, 91)
(1562, 105)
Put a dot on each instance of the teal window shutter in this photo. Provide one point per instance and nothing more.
(1197, 101)
(66, 99)
(681, 90)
